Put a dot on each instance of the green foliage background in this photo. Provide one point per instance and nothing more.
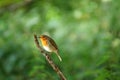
(86, 31)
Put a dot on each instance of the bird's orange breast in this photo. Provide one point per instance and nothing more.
(44, 42)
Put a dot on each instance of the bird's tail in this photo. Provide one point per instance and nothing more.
(58, 56)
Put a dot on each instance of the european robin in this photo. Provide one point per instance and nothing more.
(49, 45)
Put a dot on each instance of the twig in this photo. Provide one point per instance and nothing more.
(62, 77)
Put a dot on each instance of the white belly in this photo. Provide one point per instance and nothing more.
(47, 48)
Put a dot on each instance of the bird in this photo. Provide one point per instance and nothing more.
(49, 45)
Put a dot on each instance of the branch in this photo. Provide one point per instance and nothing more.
(44, 53)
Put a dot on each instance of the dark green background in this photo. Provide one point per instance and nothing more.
(87, 33)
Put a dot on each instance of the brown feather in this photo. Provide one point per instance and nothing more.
(53, 43)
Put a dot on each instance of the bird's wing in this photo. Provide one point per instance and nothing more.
(52, 42)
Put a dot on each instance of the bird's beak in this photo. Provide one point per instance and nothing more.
(38, 37)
